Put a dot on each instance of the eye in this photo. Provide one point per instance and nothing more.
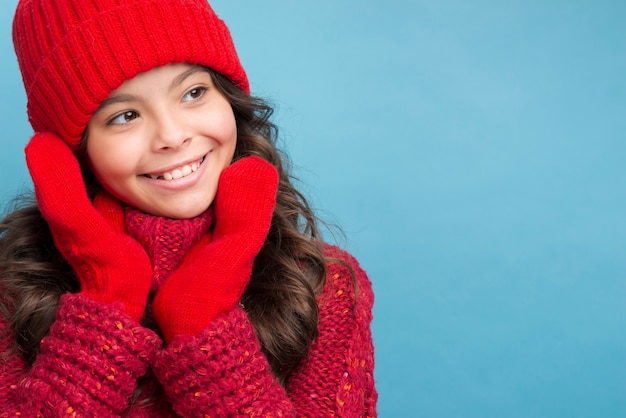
(123, 118)
(194, 94)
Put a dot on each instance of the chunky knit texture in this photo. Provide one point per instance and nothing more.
(89, 363)
(213, 277)
(73, 54)
(90, 237)
(166, 241)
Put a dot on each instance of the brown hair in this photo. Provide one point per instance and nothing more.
(280, 298)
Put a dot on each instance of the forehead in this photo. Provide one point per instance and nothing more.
(170, 75)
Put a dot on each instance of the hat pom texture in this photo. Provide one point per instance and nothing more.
(73, 54)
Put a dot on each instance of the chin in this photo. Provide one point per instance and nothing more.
(172, 207)
(183, 212)
(178, 214)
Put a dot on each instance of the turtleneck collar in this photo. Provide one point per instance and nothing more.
(166, 240)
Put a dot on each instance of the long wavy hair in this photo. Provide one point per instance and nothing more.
(287, 275)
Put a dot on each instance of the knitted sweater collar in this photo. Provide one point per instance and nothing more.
(166, 240)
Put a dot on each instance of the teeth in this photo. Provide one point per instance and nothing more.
(178, 173)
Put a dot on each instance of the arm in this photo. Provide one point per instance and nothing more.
(336, 379)
(94, 350)
(221, 371)
(12, 365)
(88, 364)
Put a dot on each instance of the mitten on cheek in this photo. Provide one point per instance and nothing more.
(110, 265)
(216, 272)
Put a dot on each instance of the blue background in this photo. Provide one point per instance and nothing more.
(473, 152)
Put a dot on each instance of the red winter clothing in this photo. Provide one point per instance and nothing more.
(90, 361)
(73, 54)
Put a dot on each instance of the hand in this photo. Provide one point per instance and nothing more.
(110, 265)
(215, 273)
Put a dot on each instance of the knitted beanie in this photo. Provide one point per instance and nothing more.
(74, 53)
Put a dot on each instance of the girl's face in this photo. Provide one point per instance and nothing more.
(161, 140)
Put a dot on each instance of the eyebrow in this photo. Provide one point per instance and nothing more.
(110, 101)
(184, 75)
(125, 98)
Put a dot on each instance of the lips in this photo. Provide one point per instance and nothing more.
(178, 172)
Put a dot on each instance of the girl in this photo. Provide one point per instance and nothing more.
(168, 267)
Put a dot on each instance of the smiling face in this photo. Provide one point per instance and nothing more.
(160, 141)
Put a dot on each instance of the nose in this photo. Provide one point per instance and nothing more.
(170, 132)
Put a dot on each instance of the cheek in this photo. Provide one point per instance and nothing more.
(105, 171)
(224, 126)
(109, 163)
(229, 138)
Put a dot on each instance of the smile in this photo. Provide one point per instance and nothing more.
(179, 172)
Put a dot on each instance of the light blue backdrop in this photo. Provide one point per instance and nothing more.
(473, 152)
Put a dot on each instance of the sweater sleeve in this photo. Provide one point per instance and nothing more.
(222, 371)
(88, 364)
(337, 377)
(12, 366)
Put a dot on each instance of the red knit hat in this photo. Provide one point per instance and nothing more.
(74, 53)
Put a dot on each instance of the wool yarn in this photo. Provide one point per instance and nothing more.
(166, 240)
(73, 54)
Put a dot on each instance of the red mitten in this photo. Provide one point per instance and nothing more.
(215, 273)
(110, 265)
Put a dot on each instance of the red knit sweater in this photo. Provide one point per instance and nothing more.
(90, 362)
